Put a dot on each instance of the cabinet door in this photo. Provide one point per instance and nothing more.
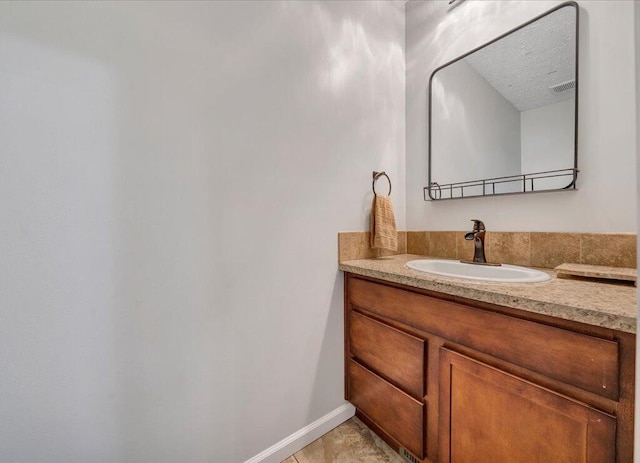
(489, 416)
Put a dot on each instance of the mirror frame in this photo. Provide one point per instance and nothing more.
(428, 190)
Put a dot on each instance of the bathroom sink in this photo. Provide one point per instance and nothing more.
(480, 273)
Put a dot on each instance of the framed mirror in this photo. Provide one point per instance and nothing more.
(503, 117)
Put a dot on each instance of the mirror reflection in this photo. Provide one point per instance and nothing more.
(503, 118)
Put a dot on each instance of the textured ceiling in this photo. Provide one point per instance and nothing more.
(523, 65)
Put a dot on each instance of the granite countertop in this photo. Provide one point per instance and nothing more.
(607, 305)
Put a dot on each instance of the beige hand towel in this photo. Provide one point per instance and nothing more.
(383, 224)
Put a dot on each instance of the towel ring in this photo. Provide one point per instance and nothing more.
(376, 176)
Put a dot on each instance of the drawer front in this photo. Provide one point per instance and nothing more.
(584, 361)
(398, 414)
(393, 354)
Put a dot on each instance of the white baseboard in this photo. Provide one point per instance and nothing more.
(299, 439)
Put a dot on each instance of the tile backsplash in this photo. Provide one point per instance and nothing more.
(534, 249)
(355, 245)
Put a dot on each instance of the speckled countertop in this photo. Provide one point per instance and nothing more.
(601, 304)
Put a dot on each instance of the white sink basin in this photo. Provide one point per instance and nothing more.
(480, 273)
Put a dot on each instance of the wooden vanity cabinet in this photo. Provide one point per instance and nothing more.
(457, 381)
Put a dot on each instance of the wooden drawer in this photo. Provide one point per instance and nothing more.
(391, 353)
(584, 361)
(400, 415)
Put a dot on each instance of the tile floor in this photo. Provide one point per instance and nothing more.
(351, 442)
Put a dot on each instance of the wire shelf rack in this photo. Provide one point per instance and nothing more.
(522, 183)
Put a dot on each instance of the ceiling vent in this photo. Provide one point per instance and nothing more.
(563, 87)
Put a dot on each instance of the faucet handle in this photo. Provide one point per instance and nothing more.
(478, 225)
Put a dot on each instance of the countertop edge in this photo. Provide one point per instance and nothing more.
(485, 294)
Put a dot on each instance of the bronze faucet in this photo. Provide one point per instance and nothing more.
(477, 235)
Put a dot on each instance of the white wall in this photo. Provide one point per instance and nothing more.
(470, 145)
(548, 141)
(172, 178)
(606, 199)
